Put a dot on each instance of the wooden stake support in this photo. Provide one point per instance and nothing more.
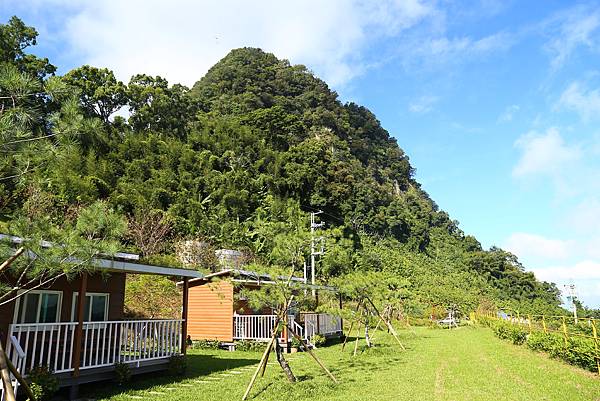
(312, 354)
(264, 366)
(351, 326)
(387, 323)
(357, 338)
(263, 360)
(9, 392)
(22, 382)
(9, 261)
(346, 337)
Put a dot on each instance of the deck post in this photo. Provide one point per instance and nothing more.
(284, 332)
(317, 314)
(78, 336)
(341, 319)
(184, 315)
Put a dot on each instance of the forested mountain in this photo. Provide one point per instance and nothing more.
(245, 154)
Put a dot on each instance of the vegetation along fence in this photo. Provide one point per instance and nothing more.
(575, 341)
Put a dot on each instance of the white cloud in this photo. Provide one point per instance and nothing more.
(441, 49)
(585, 217)
(593, 245)
(585, 102)
(571, 29)
(561, 261)
(526, 245)
(508, 113)
(585, 270)
(181, 39)
(423, 104)
(544, 153)
(585, 275)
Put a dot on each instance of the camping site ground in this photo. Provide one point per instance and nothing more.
(465, 364)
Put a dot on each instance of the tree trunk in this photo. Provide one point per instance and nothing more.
(367, 338)
(283, 363)
(263, 362)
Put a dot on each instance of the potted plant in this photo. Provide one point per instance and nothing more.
(296, 345)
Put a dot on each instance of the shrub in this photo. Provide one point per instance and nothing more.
(296, 343)
(43, 380)
(576, 351)
(177, 365)
(249, 345)
(122, 373)
(37, 390)
(318, 340)
(206, 344)
(506, 331)
(581, 352)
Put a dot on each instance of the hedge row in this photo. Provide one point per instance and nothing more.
(577, 351)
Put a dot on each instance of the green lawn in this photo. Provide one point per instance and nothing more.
(465, 364)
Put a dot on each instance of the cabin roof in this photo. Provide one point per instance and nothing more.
(122, 262)
(118, 266)
(249, 277)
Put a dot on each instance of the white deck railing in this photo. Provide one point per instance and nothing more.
(103, 343)
(321, 323)
(260, 327)
(255, 327)
(18, 362)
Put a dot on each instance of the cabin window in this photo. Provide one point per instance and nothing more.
(38, 307)
(95, 309)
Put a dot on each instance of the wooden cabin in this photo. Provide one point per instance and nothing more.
(81, 338)
(217, 311)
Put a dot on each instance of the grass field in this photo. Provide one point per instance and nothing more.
(467, 364)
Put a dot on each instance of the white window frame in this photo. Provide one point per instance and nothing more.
(24, 293)
(88, 317)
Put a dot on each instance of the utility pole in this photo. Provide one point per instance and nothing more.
(313, 245)
(571, 296)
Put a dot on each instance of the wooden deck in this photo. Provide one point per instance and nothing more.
(145, 345)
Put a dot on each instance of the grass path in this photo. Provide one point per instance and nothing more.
(439, 365)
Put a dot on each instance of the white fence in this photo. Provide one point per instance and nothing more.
(321, 323)
(103, 343)
(260, 327)
(18, 363)
(255, 327)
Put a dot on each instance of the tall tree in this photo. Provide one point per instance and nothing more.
(100, 93)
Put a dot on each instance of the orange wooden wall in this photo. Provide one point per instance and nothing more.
(210, 314)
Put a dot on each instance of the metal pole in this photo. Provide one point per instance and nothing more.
(312, 251)
(313, 225)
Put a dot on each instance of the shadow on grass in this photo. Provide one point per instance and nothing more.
(197, 367)
(262, 390)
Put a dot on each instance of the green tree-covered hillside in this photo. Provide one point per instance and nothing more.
(244, 155)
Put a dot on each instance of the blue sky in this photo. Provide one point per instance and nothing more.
(497, 103)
